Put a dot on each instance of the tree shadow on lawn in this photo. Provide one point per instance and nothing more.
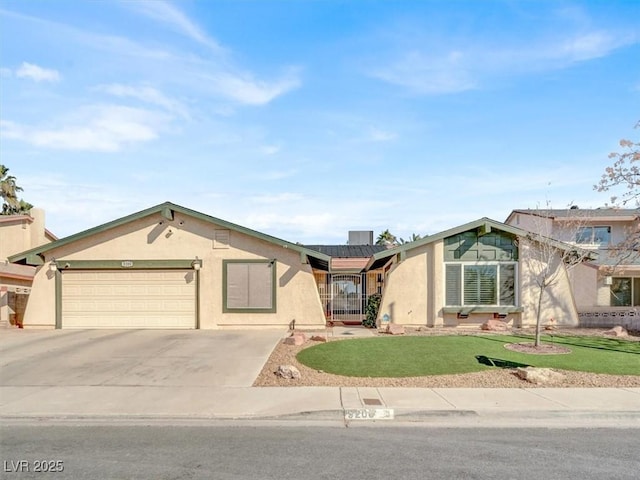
(498, 362)
(597, 343)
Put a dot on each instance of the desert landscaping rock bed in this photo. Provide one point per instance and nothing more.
(495, 378)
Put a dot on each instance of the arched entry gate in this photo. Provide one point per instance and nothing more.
(347, 298)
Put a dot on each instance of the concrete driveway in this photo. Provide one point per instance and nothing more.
(163, 358)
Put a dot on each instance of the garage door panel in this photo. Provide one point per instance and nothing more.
(129, 299)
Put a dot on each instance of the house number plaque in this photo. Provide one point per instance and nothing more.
(127, 264)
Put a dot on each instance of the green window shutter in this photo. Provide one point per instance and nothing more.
(453, 282)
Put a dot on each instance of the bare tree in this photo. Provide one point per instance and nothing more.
(624, 175)
(548, 255)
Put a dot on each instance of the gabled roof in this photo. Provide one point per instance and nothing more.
(167, 210)
(619, 214)
(484, 224)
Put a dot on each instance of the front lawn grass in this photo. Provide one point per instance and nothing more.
(438, 355)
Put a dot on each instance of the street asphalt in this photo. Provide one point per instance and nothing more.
(184, 376)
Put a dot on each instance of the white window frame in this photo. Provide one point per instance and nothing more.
(497, 264)
(593, 234)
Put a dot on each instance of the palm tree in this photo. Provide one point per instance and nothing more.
(386, 238)
(11, 204)
(414, 237)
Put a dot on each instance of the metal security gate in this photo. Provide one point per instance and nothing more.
(347, 298)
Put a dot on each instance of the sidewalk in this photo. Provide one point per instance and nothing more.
(436, 406)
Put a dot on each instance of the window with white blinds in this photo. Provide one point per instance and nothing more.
(480, 284)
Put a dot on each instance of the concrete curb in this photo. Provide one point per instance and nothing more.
(337, 418)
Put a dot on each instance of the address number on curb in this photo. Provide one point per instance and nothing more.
(369, 414)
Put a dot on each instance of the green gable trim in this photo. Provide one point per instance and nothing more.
(125, 264)
(484, 225)
(167, 211)
(34, 259)
(474, 246)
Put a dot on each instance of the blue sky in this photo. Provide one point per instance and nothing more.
(306, 119)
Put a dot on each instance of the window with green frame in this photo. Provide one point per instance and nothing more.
(480, 284)
(625, 292)
(249, 286)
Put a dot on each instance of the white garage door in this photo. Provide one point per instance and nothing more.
(129, 299)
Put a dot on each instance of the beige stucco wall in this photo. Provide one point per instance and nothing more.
(557, 301)
(585, 281)
(156, 238)
(415, 292)
(404, 299)
(21, 232)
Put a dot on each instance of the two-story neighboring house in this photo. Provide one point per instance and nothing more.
(18, 233)
(606, 290)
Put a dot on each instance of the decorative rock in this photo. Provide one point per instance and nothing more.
(539, 376)
(494, 325)
(296, 339)
(617, 331)
(318, 338)
(395, 329)
(289, 372)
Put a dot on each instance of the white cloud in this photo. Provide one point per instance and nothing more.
(146, 94)
(99, 128)
(431, 70)
(428, 74)
(245, 89)
(270, 149)
(164, 12)
(36, 73)
(378, 135)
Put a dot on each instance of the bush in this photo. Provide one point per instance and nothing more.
(371, 310)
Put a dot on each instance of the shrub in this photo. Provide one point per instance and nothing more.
(371, 310)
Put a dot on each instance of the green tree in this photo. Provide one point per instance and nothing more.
(386, 238)
(414, 237)
(9, 189)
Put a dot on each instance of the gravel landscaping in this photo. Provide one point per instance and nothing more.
(494, 378)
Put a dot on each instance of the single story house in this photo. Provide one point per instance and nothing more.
(172, 267)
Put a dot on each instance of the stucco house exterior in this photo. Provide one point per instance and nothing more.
(18, 233)
(606, 289)
(469, 274)
(172, 267)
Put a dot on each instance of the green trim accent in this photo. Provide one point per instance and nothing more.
(274, 279)
(167, 213)
(483, 309)
(160, 210)
(481, 223)
(58, 280)
(197, 273)
(304, 259)
(484, 229)
(125, 264)
(34, 259)
(402, 256)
